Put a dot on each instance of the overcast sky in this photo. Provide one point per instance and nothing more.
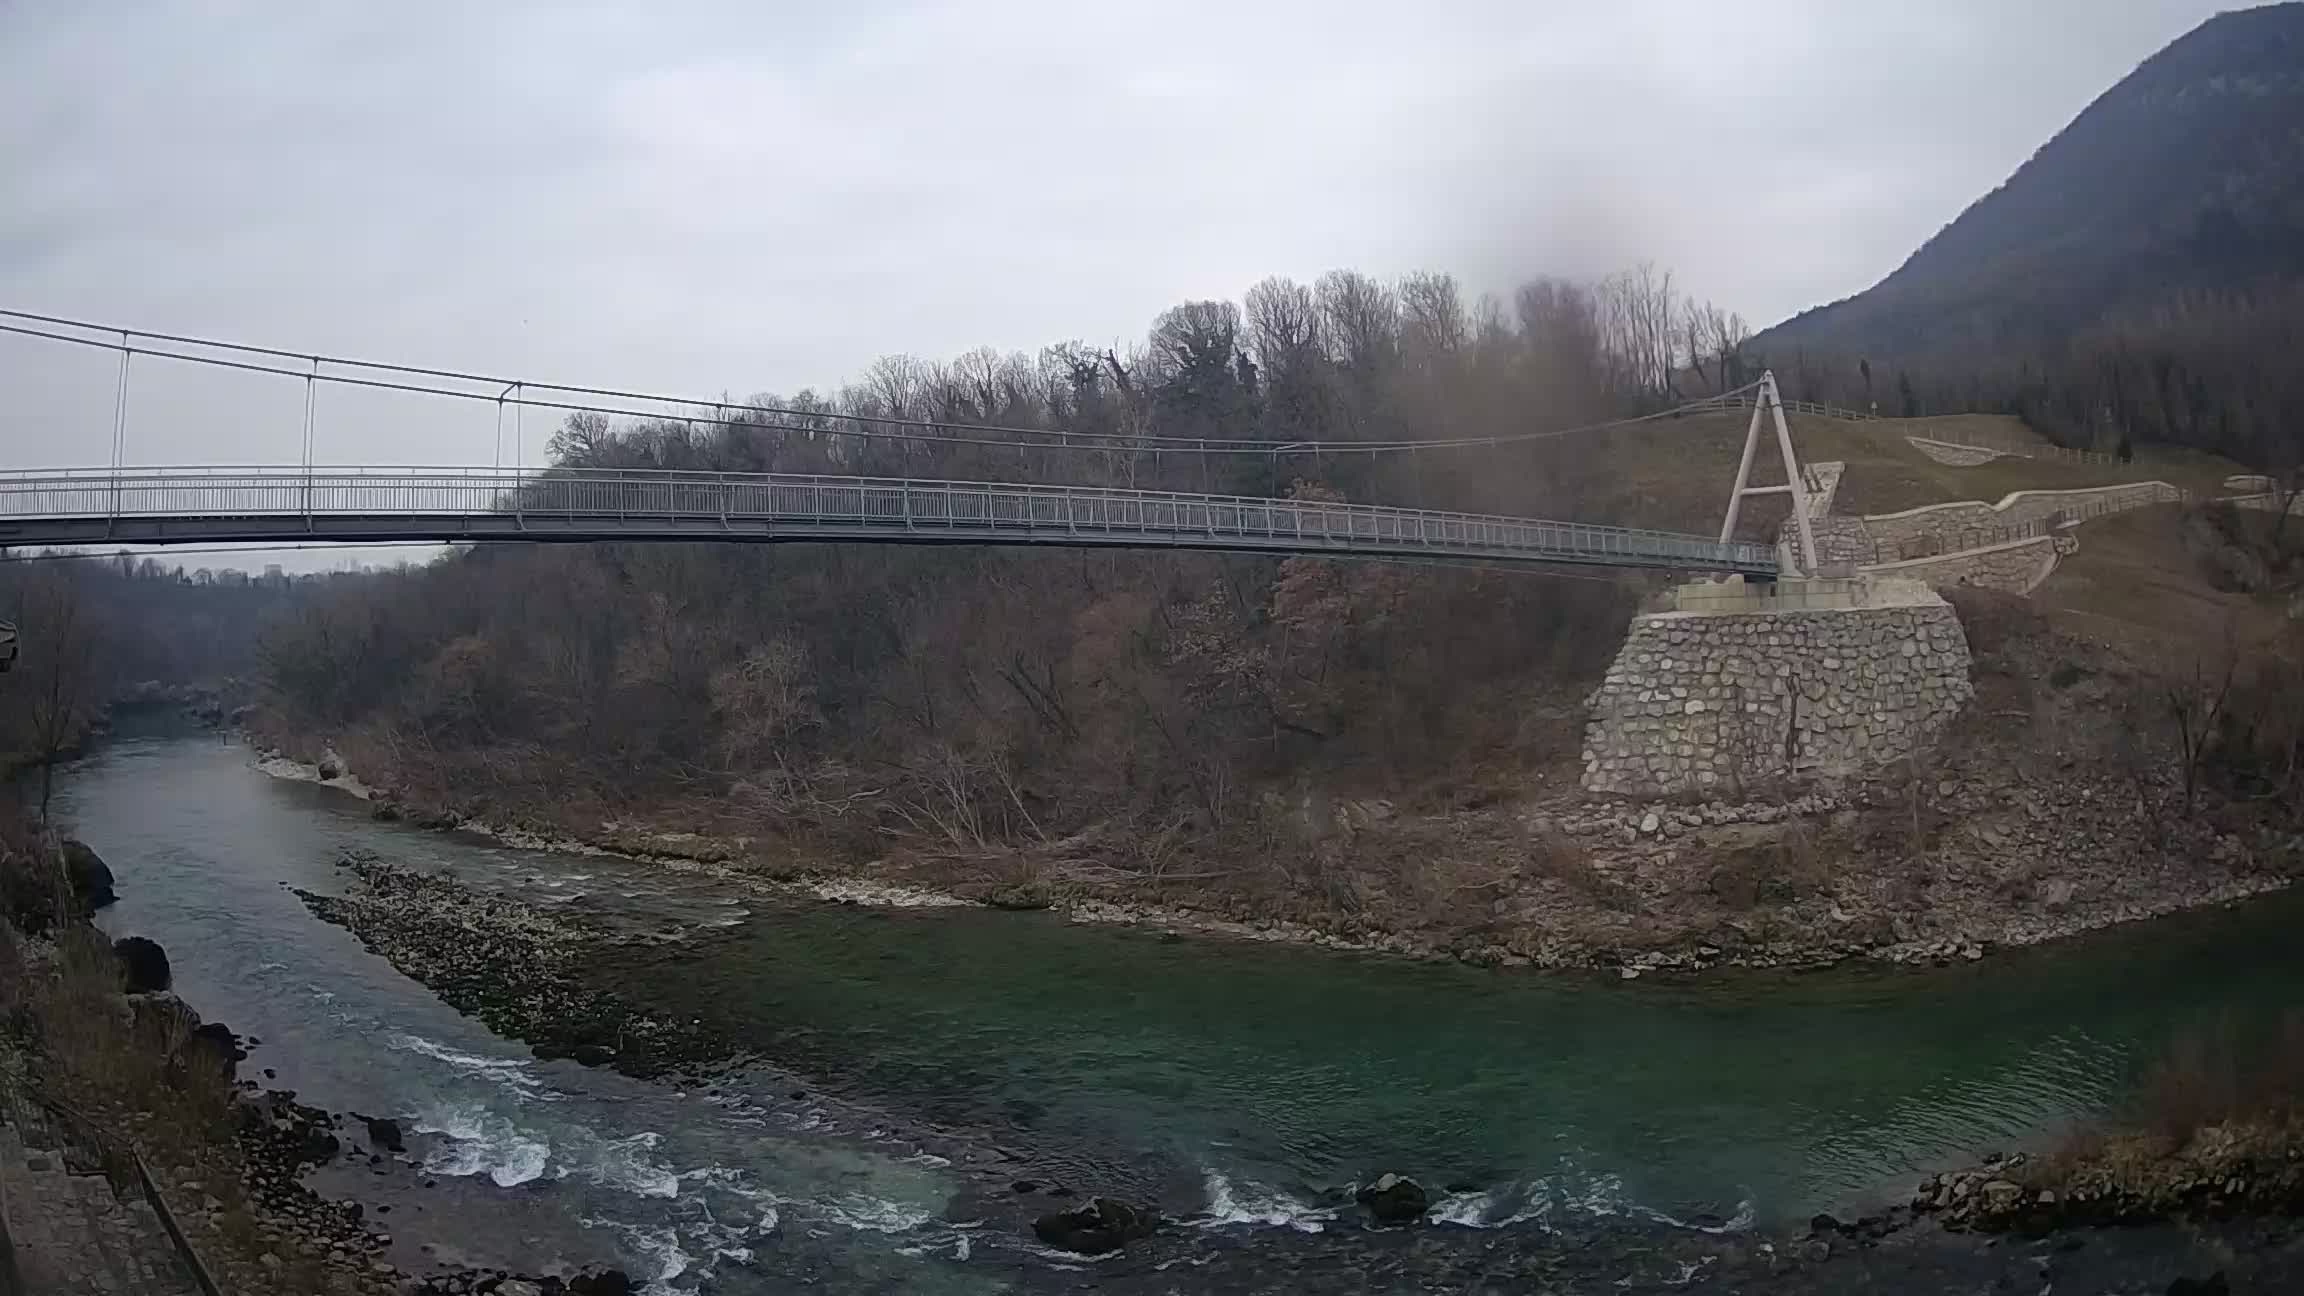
(739, 196)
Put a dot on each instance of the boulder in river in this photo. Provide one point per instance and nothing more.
(1100, 1226)
(385, 1134)
(1395, 1199)
(331, 766)
(143, 965)
(600, 1282)
(91, 880)
(593, 1055)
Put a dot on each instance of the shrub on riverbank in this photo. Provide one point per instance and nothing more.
(2216, 1126)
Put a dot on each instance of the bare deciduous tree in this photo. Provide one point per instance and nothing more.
(56, 669)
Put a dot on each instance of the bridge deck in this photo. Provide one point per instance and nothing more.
(186, 505)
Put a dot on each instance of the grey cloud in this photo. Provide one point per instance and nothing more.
(732, 197)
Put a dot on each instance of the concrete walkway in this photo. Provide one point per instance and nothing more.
(70, 1233)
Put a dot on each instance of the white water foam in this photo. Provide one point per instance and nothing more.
(510, 1073)
(1496, 1207)
(866, 1213)
(961, 1249)
(622, 1164)
(1536, 1200)
(481, 1142)
(1253, 1203)
(658, 1245)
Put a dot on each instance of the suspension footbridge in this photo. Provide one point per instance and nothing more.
(123, 504)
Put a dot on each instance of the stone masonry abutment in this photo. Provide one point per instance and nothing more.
(1738, 687)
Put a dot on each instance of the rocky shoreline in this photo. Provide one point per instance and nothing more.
(283, 1140)
(1621, 841)
(230, 1164)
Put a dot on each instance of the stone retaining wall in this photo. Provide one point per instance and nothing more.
(2269, 503)
(2016, 567)
(1823, 482)
(1706, 702)
(1947, 524)
(1842, 539)
(1958, 456)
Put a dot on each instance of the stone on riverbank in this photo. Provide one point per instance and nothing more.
(1395, 1199)
(1020, 896)
(143, 965)
(1100, 1226)
(91, 879)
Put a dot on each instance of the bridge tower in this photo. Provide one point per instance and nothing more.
(1765, 403)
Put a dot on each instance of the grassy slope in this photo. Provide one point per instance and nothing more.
(2135, 581)
(1676, 473)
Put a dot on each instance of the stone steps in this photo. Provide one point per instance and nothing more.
(71, 1233)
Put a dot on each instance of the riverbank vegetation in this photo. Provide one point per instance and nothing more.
(2214, 1127)
(115, 1071)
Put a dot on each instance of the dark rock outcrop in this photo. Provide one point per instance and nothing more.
(385, 1134)
(221, 1044)
(331, 768)
(143, 965)
(1099, 1226)
(90, 878)
(600, 1282)
(593, 1055)
(1395, 1199)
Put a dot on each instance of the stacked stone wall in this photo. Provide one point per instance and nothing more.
(1709, 702)
(1954, 526)
(2016, 567)
(1842, 539)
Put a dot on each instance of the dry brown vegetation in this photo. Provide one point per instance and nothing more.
(127, 1072)
(2216, 1123)
(1142, 714)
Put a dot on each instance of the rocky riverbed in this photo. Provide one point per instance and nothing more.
(1974, 853)
(513, 966)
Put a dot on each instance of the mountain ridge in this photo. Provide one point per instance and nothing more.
(2185, 176)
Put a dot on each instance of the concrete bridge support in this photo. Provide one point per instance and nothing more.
(1742, 686)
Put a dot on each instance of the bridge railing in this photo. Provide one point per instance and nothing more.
(752, 504)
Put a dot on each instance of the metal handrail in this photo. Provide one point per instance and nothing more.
(63, 505)
(111, 1152)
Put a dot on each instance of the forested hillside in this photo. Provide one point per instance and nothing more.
(2140, 278)
(92, 631)
(969, 696)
